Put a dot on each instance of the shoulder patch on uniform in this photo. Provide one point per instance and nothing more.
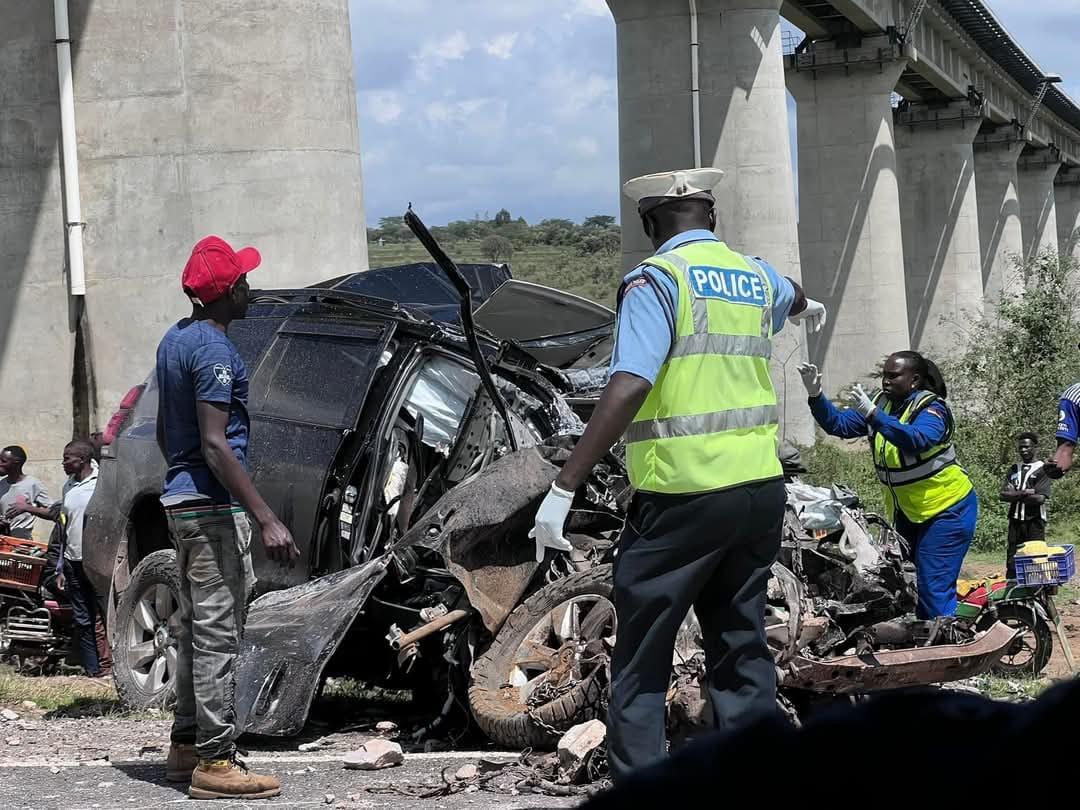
(935, 412)
(640, 281)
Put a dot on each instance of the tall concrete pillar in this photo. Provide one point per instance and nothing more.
(1036, 171)
(1067, 204)
(234, 117)
(940, 216)
(743, 130)
(36, 335)
(1001, 240)
(850, 233)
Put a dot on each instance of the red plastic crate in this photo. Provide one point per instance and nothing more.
(20, 568)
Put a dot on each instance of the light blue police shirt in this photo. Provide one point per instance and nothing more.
(647, 317)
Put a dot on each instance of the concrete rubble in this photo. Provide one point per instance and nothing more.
(374, 755)
(578, 745)
(9, 715)
(466, 772)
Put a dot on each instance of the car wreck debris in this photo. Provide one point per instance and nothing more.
(374, 755)
(578, 746)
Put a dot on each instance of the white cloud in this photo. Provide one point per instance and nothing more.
(502, 45)
(487, 115)
(585, 146)
(573, 93)
(587, 8)
(385, 106)
(435, 53)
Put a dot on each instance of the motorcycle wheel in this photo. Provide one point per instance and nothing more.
(1030, 652)
(144, 645)
(547, 668)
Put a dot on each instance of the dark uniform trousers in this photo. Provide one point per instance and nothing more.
(712, 552)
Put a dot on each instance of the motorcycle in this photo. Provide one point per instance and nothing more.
(1029, 609)
(36, 629)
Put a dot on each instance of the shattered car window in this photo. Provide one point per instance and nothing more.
(441, 392)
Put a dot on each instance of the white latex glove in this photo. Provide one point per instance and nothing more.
(811, 379)
(814, 315)
(861, 401)
(550, 519)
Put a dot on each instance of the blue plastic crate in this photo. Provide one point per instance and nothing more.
(1055, 569)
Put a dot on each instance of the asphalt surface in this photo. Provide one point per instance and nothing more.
(316, 780)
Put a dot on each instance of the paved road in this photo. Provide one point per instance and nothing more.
(308, 782)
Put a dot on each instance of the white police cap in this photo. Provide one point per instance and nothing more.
(652, 190)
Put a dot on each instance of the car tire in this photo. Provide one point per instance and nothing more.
(144, 644)
(499, 706)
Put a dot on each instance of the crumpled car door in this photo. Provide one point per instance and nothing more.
(289, 636)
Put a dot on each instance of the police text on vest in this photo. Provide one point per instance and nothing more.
(736, 286)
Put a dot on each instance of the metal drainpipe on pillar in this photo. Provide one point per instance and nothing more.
(72, 207)
(695, 88)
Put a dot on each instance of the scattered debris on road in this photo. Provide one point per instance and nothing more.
(374, 755)
(9, 715)
(579, 746)
(466, 772)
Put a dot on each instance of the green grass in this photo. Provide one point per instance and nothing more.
(595, 277)
(1011, 689)
(67, 696)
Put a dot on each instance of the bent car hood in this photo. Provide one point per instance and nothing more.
(556, 327)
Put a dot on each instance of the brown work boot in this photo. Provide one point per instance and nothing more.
(230, 779)
(181, 762)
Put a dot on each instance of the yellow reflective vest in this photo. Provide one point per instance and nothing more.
(710, 421)
(921, 485)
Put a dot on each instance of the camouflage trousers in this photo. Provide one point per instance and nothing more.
(216, 578)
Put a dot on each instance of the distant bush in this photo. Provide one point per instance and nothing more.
(497, 248)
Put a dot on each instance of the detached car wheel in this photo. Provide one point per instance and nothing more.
(147, 621)
(547, 668)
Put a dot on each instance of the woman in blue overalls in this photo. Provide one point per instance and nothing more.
(929, 495)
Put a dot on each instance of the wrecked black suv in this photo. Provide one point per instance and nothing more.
(406, 449)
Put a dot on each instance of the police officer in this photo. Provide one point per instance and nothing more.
(690, 389)
(929, 495)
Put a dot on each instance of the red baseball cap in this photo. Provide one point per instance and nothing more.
(214, 267)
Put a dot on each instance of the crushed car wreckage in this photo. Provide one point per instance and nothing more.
(412, 504)
(841, 613)
(456, 605)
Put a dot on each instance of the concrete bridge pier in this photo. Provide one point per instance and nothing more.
(740, 109)
(1036, 171)
(997, 188)
(1067, 203)
(939, 211)
(850, 232)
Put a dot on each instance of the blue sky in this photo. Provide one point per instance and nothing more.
(472, 105)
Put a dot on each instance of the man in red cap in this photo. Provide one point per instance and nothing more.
(202, 430)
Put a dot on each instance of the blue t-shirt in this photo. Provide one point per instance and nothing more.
(650, 304)
(1068, 428)
(198, 363)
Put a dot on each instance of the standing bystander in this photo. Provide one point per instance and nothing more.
(22, 497)
(71, 578)
(202, 430)
(1026, 490)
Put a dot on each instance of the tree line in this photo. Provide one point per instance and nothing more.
(502, 235)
